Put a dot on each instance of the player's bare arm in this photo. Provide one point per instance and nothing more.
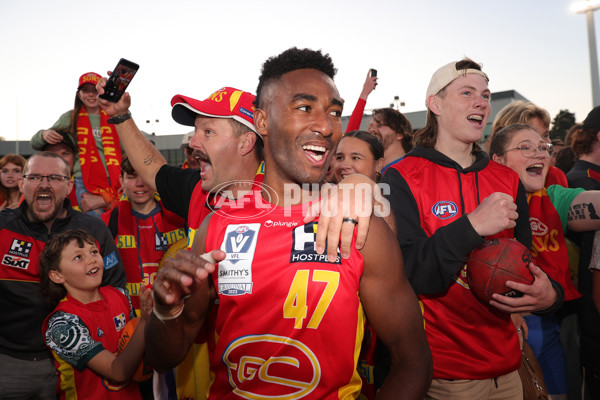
(182, 298)
(393, 310)
(144, 157)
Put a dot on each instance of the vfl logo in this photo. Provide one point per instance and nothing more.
(303, 248)
(260, 365)
(235, 272)
(538, 228)
(238, 242)
(20, 248)
(444, 209)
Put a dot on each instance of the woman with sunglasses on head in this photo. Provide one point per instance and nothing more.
(552, 211)
(98, 167)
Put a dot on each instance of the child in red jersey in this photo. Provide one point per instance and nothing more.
(84, 328)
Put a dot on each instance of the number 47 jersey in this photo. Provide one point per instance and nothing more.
(289, 323)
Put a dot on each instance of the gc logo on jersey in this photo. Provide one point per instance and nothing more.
(444, 209)
(303, 249)
(260, 365)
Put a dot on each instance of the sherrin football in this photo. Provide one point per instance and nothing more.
(495, 262)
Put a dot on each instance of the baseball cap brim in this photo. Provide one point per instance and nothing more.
(186, 109)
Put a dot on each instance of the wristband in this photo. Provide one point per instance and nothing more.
(167, 313)
(117, 119)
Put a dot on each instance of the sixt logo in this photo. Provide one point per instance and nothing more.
(16, 262)
(444, 209)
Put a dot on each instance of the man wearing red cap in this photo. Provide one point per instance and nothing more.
(290, 321)
(229, 153)
(97, 169)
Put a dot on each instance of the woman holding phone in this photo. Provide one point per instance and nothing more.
(97, 169)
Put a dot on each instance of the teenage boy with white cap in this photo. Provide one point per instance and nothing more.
(447, 197)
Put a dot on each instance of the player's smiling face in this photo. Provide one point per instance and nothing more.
(303, 125)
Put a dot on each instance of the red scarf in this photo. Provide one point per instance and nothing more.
(142, 243)
(92, 169)
(549, 247)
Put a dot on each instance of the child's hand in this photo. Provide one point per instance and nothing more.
(145, 302)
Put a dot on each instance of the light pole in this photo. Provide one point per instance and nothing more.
(587, 7)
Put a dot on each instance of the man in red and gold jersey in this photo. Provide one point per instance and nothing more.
(290, 321)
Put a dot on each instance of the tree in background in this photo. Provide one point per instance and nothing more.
(561, 124)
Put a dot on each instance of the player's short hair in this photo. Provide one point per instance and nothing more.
(291, 60)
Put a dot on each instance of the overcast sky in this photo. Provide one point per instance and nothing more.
(536, 47)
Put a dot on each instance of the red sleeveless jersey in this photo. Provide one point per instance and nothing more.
(468, 339)
(289, 324)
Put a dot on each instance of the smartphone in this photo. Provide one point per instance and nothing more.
(373, 72)
(119, 80)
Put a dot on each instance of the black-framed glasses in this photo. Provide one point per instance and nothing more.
(529, 150)
(54, 178)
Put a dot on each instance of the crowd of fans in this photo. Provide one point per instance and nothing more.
(99, 231)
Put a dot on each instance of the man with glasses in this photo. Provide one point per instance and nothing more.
(26, 365)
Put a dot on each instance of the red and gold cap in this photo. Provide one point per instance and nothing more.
(88, 77)
(226, 102)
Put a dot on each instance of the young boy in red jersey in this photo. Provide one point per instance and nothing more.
(84, 329)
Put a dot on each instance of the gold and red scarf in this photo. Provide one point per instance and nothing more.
(92, 169)
(549, 247)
